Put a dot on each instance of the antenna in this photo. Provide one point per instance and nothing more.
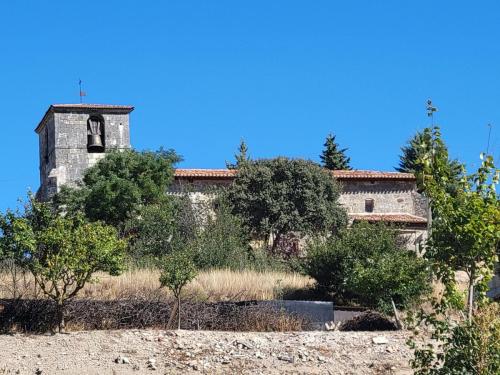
(489, 137)
(82, 93)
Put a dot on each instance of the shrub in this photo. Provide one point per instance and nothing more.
(366, 264)
(223, 242)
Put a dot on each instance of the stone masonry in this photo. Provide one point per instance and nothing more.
(64, 141)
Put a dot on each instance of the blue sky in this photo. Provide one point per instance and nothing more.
(280, 74)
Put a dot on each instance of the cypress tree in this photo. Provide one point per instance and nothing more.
(241, 157)
(333, 157)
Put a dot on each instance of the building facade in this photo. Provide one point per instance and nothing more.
(372, 196)
(73, 137)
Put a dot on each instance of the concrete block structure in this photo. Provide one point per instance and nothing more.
(73, 137)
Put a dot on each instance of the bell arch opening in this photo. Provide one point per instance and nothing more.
(95, 134)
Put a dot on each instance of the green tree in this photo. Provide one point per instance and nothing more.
(278, 196)
(63, 253)
(465, 231)
(224, 241)
(333, 157)
(464, 236)
(423, 147)
(368, 264)
(241, 157)
(159, 229)
(177, 271)
(118, 185)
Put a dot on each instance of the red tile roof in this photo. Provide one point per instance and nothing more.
(389, 218)
(205, 173)
(341, 175)
(366, 175)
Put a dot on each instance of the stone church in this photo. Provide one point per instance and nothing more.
(73, 137)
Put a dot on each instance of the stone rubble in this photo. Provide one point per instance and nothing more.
(190, 352)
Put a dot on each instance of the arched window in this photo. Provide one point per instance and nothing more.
(95, 134)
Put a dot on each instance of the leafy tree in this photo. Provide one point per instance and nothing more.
(159, 229)
(241, 157)
(465, 232)
(333, 157)
(63, 253)
(464, 236)
(368, 264)
(118, 185)
(178, 270)
(277, 196)
(423, 147)
(224, 241)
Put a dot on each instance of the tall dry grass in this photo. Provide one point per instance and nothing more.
(212, 286)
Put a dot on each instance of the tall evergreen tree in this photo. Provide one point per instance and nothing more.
(241, 157)
(420, 149)
(333, 157)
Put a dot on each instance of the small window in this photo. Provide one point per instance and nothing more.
(369, 205)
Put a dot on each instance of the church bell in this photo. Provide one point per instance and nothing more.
(95, 142)
(94, 135)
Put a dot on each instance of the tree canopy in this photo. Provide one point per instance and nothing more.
(118, 185)
(333, 157)
(62, 253)
(278, 196)
(368, 264)
(423, 147)
(241, 157)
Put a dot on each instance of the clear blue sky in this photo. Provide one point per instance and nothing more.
(280, 74)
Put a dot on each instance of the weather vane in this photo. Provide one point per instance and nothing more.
(82, 93)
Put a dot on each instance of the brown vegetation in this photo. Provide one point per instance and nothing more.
(210, 286)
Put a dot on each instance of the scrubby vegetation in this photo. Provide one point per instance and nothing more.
(369, 265)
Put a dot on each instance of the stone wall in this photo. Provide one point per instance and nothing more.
(388, 196)
(66, 144)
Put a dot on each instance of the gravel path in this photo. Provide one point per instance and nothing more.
(186, 352)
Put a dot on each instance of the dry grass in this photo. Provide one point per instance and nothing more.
(213, 286)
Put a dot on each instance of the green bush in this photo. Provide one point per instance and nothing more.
(223, 242)
(367, 264)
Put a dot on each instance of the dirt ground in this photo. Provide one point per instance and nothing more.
(190, 352)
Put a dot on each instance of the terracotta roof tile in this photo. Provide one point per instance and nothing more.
(361, 174)
(341, 175)
(205, 173)
(389, 218)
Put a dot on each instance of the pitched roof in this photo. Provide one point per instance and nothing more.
(366, 175)
(83, 106)
(341, 175)
(389, 218)
(205, 173)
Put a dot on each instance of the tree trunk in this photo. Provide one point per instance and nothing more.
(396, 316)
(470, 299)
(172, 315)
(179, 311)
(60, 316)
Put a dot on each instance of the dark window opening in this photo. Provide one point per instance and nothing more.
(369, 205)
(46, 145)
(95, 134)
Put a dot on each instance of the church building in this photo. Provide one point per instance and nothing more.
(73, 137)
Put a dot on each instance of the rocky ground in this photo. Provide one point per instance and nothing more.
(191, 352)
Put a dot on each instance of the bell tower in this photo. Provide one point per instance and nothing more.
(73, 137)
